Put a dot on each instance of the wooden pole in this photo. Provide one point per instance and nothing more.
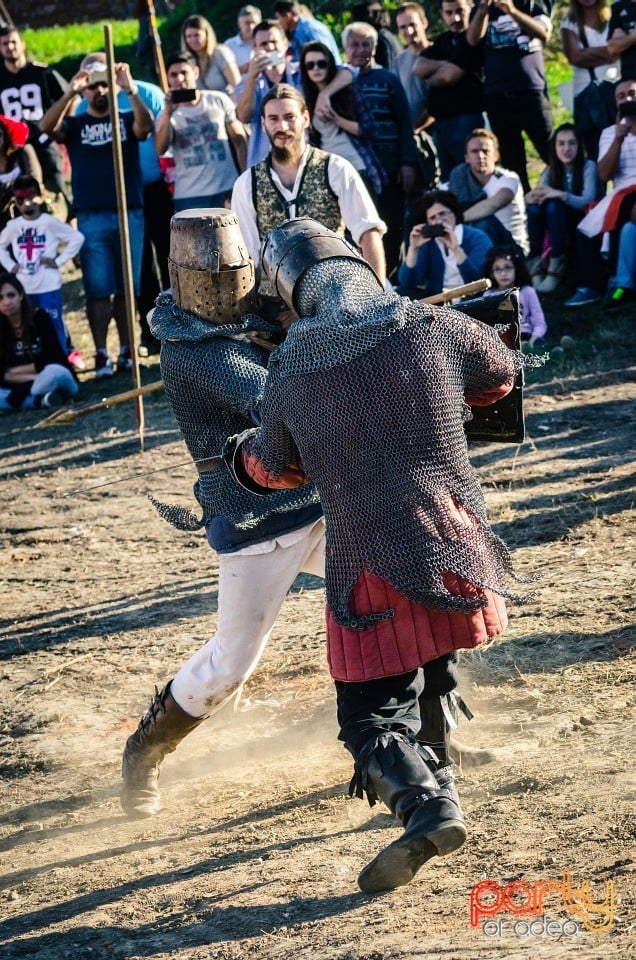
(6, 16)
(124, 236)
(157, 49)
(474, 287)
(70, 414)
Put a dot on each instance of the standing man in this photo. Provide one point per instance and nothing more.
(300, 30)
(622, 35)
(202, 131)
(241, 43)
(268, 66)
(453, 72)
(367, 395)
(296, 179)
(389, 129)
(157, 206)
(515, 91)
(411, 21)
(88, 138)
(27, 90)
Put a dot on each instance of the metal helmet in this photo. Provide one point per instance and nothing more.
(294, 246)
(211, 272)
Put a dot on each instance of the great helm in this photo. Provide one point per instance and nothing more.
(211, 272)
(294, 246)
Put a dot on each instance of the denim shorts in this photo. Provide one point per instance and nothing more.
(100, 254)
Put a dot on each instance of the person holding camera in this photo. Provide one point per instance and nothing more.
(208, 143)
(269, 66)
(443, 252)
(88, 139)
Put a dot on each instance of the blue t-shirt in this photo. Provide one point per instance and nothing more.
(89, 143)
(153, 98)
(310, 30)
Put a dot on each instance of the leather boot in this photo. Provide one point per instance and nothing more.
(400, 772)
(439, 716)
(160, 731)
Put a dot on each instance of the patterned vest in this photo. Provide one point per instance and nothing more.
(315, 198)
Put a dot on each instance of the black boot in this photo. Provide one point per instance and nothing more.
(160, 731)
(400, 772)
(439, 717)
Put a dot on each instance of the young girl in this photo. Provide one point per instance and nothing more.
(506, 268)
(557, 204)
(34, 370)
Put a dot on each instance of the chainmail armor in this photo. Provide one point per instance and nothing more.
(391, 493)
(214, 380)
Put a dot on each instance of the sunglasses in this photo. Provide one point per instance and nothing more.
(95, 86)
(316, 64)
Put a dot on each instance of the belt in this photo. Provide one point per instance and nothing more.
(210, 464)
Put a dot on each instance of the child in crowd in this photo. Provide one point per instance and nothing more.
(29, 247)
(506, 268)
(34, 370)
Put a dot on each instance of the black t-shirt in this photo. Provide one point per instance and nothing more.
(28, 94)
(624, 18)
(444, 103)
(513, 61)
(44, 349)
(89, 143)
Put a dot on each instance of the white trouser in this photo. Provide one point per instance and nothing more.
(252, 586)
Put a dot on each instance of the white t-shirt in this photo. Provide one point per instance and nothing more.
(626, 169)
(30, 240)
(335, 140)
(513, 215)
(203, 161)
(595, 38)
(452, 274)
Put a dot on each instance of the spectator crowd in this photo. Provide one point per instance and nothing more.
(414, 146)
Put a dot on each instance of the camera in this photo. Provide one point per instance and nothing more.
(275, 58)
(97, 75)
(183, 96)
(627, 109)
(430, 230)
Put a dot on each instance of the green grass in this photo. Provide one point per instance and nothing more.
(64, 47)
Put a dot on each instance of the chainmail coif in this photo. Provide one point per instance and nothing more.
(369, 391)
(214, 380)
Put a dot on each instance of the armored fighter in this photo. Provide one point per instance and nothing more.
(368, 396)
(214, 372)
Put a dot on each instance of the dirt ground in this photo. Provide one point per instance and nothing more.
(257, 849)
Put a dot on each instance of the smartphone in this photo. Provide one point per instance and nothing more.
(183, 96)
(275, 58)
(432, 230)
(97, 76)
(627, 109)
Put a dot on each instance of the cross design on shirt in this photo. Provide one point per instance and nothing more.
(30, 245)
